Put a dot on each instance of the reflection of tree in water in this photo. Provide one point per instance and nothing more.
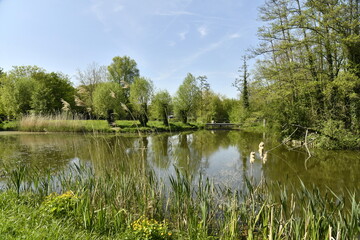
(186, 158)
(209, 142)
(338, 170)
(160, 148)
(114, 153)
(38, 152)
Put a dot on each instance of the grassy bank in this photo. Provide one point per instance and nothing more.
(136, 204)
(61, 123)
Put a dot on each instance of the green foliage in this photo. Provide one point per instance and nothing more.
(15, 95)
(187, 98)
(334, 135)
(149, 229)
(9, 125)
(50, 90)
(123, 70)
(161, 106)
(29, 88)
(241, 84)
(60, 205)
(109, 96)
(140, 95)
(191, 208)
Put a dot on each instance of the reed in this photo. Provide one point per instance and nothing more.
(134, 201)
(61, 123)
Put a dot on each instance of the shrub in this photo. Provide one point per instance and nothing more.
(60, 205)
(335, 136)
(150, 229)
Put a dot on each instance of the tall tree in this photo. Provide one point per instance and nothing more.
(140, 95)
(123, 70)
(162, 106)
(205, 98)
(310, 53)
(50, 91)
(89, 78)
(241, 83)
(187, 98)
(108, 100)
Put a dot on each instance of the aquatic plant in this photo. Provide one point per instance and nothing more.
(122, 204)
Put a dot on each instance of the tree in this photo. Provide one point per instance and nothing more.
(306, 46)
(89, 79)
(161, 106)
(241, 84)
(205, 98)
(187, 98)
(123, 70)
(109, 98)
(140, 95)
(50, 91)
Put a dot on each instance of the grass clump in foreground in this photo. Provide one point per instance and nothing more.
(136, 204)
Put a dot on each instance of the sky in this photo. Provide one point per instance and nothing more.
(167, 38)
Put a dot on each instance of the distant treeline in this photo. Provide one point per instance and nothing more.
(116, 91)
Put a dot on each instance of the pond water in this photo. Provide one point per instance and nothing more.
(221, 155)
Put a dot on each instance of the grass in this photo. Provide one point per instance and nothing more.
(63, 123)
(129, 202)
(9, 125)
(156, 126)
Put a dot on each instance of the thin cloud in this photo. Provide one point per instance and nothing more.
(174, 13)
(103, 10)
(118, 8)
(182, 35)
(203, 31)
(192, 58)
(234, 36)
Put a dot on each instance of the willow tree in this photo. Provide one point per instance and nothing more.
(162, 106)
(140, 95)
(187, 98)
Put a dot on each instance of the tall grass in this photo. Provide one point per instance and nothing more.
(61, 123)
(108, 204)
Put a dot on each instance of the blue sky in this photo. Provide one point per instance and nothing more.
(167, 38)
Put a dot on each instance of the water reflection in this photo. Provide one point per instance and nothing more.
(222, 155)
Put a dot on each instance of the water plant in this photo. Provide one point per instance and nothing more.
(122, 204)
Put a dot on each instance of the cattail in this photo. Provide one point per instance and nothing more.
(261, 145)
(264, 158)
(252, 157)
(261, 152)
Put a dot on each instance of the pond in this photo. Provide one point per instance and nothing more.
(221, 155)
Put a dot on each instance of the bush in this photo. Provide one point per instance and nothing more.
(145, 228)
(60, 205)
(335, 136)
